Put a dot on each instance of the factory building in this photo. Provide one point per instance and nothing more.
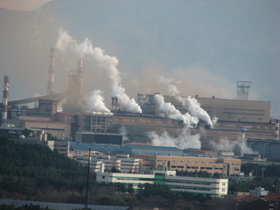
(224, 166)
(151, 150)
(204, 186)
(233, 114)
(99, 138)
(224, 109)
(58, 129)
(267, 148)
(122, 162)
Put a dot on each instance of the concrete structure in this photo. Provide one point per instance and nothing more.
(267, 148)
(74, 99)
(50, 87)
(258, 191)
(205, 186)
(5, 98)
(57, 129)
(151, 150)
(224, 166)
(62, 147)
(99, 138)
(243, 90)
(96, 122)
(276, 129)
(224, 109)
(46, 108)
(104, 148)
(121, 162)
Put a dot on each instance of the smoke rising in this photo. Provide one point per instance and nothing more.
(232, 146)
(189, 102)
(168, 110)
(66, 44)
(96, 102)
(182, 141)
(123, 131)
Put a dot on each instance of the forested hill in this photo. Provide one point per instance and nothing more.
(34, 172)
(28, 171)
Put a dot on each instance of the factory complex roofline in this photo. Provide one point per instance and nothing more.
(57, 96)
(197, 96)
(152, 147)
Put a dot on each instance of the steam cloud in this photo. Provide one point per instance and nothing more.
(182, 141)
(189, 102)
(123, 131)
(96, 102)
(230, 146)
(66, 43)
(169, 111)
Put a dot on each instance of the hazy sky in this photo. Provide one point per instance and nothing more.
(204, 46)
(26, 5)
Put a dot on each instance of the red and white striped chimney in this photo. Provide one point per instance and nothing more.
(50, 88)
(5, 98)
(276, 129)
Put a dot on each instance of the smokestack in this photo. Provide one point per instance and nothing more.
(5, 98)
(50, 88)
(276, 129)
(242, 141)
(80, 74)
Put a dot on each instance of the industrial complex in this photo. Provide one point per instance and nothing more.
(122, 139)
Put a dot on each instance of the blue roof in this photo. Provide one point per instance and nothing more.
(82, 147)
(153, 147)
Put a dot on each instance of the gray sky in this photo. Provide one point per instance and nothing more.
(204, 46)
(26, 5)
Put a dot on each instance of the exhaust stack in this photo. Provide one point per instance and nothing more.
(276, 136)
(80, 75)
(5, 98)
(50, 88)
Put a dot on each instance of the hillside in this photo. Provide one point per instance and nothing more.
(30, 171)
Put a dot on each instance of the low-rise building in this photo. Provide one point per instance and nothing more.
(224, 166)
(121, 162)
(205, 186)
(258, 191)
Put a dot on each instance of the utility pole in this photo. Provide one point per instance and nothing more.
(86, 203)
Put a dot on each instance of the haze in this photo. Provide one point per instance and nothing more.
(203, 46)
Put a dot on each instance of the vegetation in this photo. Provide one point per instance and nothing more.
(272, 170)
(34, 172)
(25, 207)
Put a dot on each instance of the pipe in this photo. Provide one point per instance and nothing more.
(5, 98)
(276, 136)
(50, 88)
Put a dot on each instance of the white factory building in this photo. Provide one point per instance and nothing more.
(121, 162)
(205, 186)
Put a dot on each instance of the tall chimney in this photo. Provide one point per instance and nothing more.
(242, 140)
(50, 88)
(80, 75)
(276, 136)
(5, 98)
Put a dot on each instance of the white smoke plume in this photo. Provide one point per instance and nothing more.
(143, 99)
(168, 110)
(227, 145)
(66, 43)
(96, 102)
(189, 102)
(224, 145)
(182, 141)
(123, 131)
